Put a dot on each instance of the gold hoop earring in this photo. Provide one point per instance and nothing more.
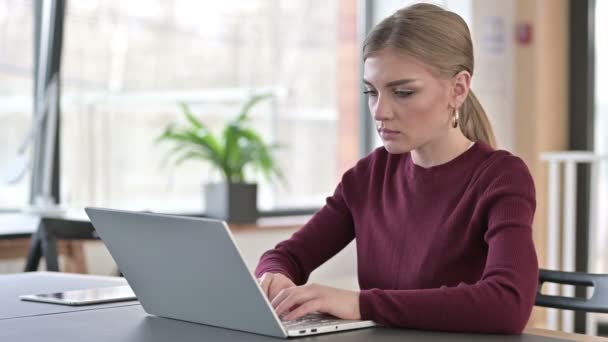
(455, 118)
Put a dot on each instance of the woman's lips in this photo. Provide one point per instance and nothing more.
(388, 134)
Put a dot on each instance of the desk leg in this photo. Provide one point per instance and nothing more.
(49, 249)
(44, 244)
(34, 253)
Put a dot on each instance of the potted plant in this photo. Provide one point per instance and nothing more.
(238, 146)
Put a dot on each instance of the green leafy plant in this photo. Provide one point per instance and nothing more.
(236, 147)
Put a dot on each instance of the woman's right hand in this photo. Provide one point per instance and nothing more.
(273, 283)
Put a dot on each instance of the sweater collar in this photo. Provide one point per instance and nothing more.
(455, 165)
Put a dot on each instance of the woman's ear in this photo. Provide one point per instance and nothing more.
(461, 84)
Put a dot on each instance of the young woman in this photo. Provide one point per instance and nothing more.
(442, 220)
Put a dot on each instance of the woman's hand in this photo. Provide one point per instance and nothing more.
(301, 300)
(273, 283)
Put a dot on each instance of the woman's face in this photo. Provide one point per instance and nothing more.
(411, 105)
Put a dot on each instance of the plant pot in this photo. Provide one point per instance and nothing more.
(232, 202)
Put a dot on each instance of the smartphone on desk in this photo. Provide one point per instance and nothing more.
(85, 297)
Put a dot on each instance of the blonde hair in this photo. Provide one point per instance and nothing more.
(440, 39)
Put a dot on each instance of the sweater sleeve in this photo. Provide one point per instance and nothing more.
(323, 236)
(501, 301)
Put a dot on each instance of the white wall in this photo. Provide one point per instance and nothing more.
(493, 80)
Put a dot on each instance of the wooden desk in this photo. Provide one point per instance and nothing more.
(71, 251)
(563, 335)
(18, 230)
(284, 222)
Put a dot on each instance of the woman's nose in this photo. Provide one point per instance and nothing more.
(381, 110)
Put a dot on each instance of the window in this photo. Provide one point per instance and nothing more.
(127, 64)
(16, 89)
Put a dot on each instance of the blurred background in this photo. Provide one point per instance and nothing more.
(123, 67)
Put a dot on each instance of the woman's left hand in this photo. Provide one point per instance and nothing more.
(309, 298)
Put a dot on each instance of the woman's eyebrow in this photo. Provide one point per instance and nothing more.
(393, 83)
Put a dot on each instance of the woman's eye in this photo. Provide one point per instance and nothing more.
(403, 93)
(370, 92)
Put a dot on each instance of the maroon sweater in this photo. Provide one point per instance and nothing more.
(445, 248)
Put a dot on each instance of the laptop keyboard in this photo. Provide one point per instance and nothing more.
(312, 320)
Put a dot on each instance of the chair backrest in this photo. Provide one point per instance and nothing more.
(597, 303)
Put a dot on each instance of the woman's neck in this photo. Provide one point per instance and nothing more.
(441, 150)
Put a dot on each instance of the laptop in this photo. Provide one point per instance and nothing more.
(190, 269)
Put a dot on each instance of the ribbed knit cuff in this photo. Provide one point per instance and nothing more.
(272, 269)
(365, 304)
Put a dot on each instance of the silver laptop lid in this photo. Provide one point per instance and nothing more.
(186, 268)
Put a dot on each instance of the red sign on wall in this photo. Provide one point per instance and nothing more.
(523, 33)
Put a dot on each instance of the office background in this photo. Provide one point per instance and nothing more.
(126, 65)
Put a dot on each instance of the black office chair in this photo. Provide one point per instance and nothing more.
(597, 303)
